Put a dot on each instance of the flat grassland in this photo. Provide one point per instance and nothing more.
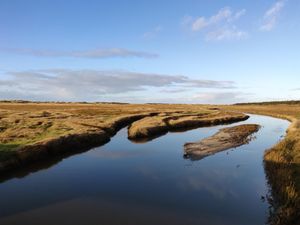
(23, 124)
(282, 162)
(33, 131)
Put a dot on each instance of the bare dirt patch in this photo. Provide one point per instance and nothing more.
(226, 138)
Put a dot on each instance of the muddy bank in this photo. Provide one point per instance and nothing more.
(71, 143)
(156, 126)
(224, 139)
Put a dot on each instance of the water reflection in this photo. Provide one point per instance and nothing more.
(127, 183)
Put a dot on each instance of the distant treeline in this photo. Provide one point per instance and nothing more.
(271, 103)
(56, 102)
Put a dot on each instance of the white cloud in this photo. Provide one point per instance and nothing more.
(93, 53)
(221, 97)
(220, 26)
(238, 14)
(186, 20)
(271, 16)
(223, 15)
(93, 85)
(212, 97)
(199, 24)
(226, 34)
(172, 91)
(153, 33)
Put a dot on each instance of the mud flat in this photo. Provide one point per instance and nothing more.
(163, 123)
(224, 139)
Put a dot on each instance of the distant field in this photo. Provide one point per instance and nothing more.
(272, 103)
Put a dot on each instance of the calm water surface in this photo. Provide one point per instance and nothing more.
(124, 183)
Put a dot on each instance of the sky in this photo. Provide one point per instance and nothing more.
(138, 51)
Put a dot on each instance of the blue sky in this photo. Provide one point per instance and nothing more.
(150, 51)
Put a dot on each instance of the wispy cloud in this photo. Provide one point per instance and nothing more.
(93, 53)
(211, 97)
(220, 26)
(224, 15)
(226, 34)
(172, 91)
(271, 16)
(222, 97)
(91, 85)
(153, 33)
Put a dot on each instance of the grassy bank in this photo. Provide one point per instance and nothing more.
(282, 162)
(30, 132)
(165, 122)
